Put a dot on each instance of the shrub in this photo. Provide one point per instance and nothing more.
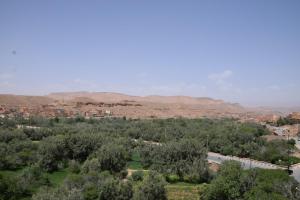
(172, 178)
(123, 174)
(74, 166)
(91, 165)
(137, 176)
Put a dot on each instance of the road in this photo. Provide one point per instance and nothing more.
(297, 142)
(246, 163)
(296, 173)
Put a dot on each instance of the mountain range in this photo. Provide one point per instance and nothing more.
(135, 106)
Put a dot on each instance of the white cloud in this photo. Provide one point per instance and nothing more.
(220, 76)
(181, 88)
(142, 75)
(5, 76)
(5, 80)
(273, 87)
(77, 84)
(221, 81)
(6, 84)
(81, 83)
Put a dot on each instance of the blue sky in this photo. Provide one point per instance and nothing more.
(245, 51)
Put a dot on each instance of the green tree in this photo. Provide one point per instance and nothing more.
(152, 188)
(91, 165)
(11, 189)
(112, 157)
(52, 151)
(183, 158)
(233, 183)
(227, 185)
(115, 189)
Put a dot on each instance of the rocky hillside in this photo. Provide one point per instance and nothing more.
(115, 104)
(117, 97)
(193, 103)
(20, 100)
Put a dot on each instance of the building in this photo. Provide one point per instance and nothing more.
(294, 116)
(280, 131)
(108, 112)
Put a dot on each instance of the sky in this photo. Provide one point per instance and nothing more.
(244, 51)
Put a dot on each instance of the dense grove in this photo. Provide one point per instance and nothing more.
(96, 154)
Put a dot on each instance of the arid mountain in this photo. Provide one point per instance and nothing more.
(117, 97)
(282, 110)
(20, 100)
(95, 96)
(98, 104)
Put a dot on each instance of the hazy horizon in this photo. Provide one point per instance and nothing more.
(243, 52)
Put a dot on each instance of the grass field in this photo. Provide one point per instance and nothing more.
(11, 173)
(135, 162)
(56, 178)
(135, 165)
(176, 191)
(183, 191)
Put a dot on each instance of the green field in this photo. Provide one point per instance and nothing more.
(176, 191)
(92, 158)
(56, 178)
(183, 191)
(135, 162)
(11, 173)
